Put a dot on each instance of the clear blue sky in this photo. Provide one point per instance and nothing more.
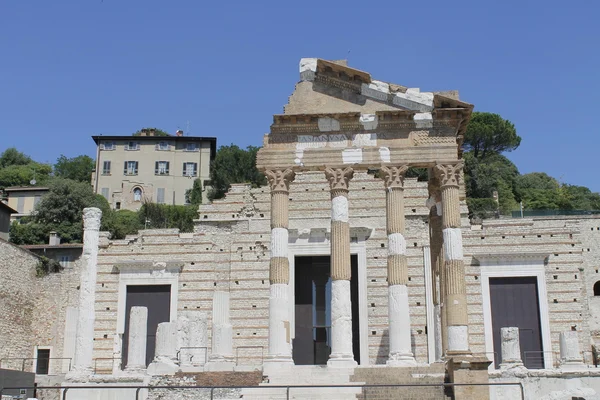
(72, 69)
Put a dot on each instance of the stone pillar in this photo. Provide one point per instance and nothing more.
(341, 303)
(398, 311)
(221, 358)
(84, 340)
(136, 345)
(280, 349)
(511, 348)
(193, 339)
(570, 355)
(455, 296)
(165, 350)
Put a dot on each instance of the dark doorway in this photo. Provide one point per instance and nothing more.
(312, 285)
(42, 366)
(515, 302)
(157, 298)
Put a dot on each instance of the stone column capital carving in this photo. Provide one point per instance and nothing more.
(91, 218)
(449, 174)
(339, 178)
(279, 180)
(393, 177)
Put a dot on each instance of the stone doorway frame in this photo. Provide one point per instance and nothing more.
(312, 246)
(515, 266)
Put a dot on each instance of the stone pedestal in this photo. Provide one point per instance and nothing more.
(136, 349)
(570, 355)
(511, 348)
(221, 358)
(165, 353)
(469, 370)
(341, 302)
(84, 339)
(192, 329)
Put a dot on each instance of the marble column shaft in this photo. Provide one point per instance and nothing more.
(341, 302)
(455, 300)
(84, 339)
(400, 352)
(280, 349)
(138, 330)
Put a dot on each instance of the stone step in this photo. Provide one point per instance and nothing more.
(264, 393)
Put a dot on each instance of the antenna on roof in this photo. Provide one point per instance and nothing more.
(187, 129)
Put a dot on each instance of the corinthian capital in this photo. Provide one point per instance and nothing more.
(339, 178)
(92, 217)
(393, 177)
(280, 180)
(449, 174)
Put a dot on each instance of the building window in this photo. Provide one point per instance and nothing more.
(65, 261)
(130, 168)
(137, 195)
(160, 195)
(106, 168)
(191, 147)
(42, 365)
(597, 288)
(162, 146)
(108, 146)
(161, 168)
(105, 192)
(118, 205)
(190, 169)
(21, 204)
(132, 146)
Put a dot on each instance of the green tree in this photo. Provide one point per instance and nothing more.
(23, 174)
(490, 133)
(157, 132)
(121, 223)
(194, 195)
(77, 168)
(163, 216)
(539, 191)
(234, 165)
(12, 156)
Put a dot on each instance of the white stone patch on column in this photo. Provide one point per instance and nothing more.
(570, 355)
(327, 124)
(458, 338)
(364, 140)
(352, 156)
(396, 244)
(423, 120)
(165, 353)
(399, 327)
(369, 121)
(511, 348)
(280, 336)
(192, 338)
(341, 325)
(384, 154)
(279, 242)
(221, 358)
(453, 246)
(376, 89)
(308, 69)
(339, 209)
(84, 340)
(136, 345)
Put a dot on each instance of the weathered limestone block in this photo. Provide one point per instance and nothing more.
(138, 326)
(192, 329)
(570, 355)
(511, 348)
(165, 354)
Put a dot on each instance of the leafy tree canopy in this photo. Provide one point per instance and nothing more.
(194, 195)
(22, 174)
(157, 132)
(489, 133)
(77, 168)
(234, 165)
(12, 156)
(161, 216)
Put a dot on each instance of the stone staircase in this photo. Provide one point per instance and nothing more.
(306, 375)
(382, 375)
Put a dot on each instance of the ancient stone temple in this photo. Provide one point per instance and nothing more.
(346, 269)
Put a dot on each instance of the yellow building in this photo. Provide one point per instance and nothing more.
(24, 199)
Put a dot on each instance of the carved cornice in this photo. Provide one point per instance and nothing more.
(339, 178)
(280, 180)
(449, 174)
(393, 177)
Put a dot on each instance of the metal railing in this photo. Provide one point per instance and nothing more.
(287, 388)
(25, 359)
(262, 352)
(205, 348)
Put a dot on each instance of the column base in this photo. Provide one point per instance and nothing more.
(572, 366)
(341, 361)
(219, 364)
(79, 375)
(401, 360)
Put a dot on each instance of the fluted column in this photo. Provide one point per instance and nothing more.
(341, 302)
(280, 349)
(84, 338)
(399, 315)
(455, 294)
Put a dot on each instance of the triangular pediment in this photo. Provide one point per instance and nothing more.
(333, 87)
